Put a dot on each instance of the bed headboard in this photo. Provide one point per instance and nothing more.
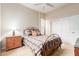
(29, 29)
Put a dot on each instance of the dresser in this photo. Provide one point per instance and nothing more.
(76, 48)
(13, 42)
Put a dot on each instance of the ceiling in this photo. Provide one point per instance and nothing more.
(43, 7)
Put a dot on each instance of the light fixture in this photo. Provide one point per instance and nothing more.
(13, 26)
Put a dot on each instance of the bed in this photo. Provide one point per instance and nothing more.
(42, 45)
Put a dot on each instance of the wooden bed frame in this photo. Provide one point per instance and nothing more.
(49, 46)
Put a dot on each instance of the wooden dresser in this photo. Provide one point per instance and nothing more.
(13, 42)
(76, 51)
(76, 48)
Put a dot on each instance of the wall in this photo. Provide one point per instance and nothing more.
(17, 17)
(64, 21)
(0, 21)
(0, 25)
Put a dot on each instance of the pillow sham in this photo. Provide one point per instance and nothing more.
(27, 32)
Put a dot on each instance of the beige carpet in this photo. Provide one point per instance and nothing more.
(21, 51)
(66, 50)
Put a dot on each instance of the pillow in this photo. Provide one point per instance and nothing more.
(27, 32)
(38, 32)
(34, 33)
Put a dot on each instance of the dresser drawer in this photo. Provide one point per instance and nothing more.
(9, 43)
(13, 42)
(18, 41)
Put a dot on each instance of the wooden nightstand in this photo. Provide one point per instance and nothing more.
(76, 51)
(13, 42)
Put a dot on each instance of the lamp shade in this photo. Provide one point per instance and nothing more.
(13, 26)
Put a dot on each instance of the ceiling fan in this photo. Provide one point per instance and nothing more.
(48, 4)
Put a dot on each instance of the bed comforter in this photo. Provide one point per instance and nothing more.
(36, 43)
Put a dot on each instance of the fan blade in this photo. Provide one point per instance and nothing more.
(49, 5)
(38, 4)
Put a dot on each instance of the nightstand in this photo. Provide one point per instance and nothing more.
(13, 42)
(76, 50)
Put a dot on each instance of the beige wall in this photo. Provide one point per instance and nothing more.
(19, 17)
(0, 21)
(0, 29)
(64, 21)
